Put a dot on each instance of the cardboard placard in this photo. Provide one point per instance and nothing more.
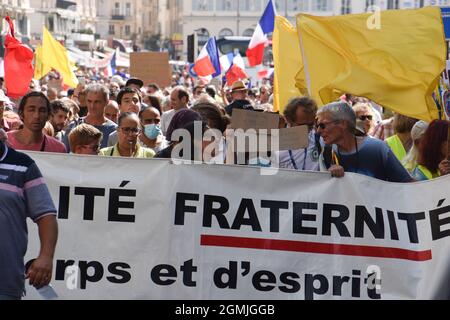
(246, 119)
(151, 67)
(294, 138)
(261, 140)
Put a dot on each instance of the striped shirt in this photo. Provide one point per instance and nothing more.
(23, 193)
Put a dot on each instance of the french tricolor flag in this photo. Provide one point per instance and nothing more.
(266, 25)
(208, 63)
(111, 68)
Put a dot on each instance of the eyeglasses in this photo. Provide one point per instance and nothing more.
(324, 125)
(127, 130)
(364, 118)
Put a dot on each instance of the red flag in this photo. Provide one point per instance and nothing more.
(19, 69)
(234, 74)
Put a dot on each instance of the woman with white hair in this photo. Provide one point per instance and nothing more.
(417, 133)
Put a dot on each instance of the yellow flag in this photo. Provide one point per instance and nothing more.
(396, 63)
(40, 70)
(55, 56)
(288, 62)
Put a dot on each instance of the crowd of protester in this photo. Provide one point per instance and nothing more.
(127, 118)
(111, 117)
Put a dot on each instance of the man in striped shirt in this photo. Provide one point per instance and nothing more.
(23, 193)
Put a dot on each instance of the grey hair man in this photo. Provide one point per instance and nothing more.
(336, 123)
(97, 98)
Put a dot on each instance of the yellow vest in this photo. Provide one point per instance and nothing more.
(397, 147)
(427, 173)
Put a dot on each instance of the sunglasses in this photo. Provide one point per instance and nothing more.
(364, 118)
(132, 130)
(324, 125)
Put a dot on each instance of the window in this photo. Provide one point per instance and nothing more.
(202, 5)
(111, 29)
(128, 9)
(346, 7)
(392, 4)
(203, 35)
(116, 9)
(370, 4)
(225, 33)
(226, 5)
(250, 5)
(280, 5)
(298, 5)
(322, 5)
(127, 30)
(248, 32)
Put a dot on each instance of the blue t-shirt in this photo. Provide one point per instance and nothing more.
(374, 159)
(23, 194)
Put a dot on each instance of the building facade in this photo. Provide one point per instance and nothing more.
(134, 21)
(20, 12)
(71, 22)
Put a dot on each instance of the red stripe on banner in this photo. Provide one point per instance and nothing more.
(314, 247)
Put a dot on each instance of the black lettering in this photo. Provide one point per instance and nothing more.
(219, 213)
(117, 270)
(246, 206)
(291, 286)
(115, 204)
(356, 284)
(89, 200)
(299, 217)
(84, 272)
(188, 269)
(392, 225)
(60, 270)
(411, 220)
(181, 208)
(264, 277)
(274, 207)
(230, 273)
(437, 223)
(363, 217)
(338, 221)
(163, 270)
(64, 200)
(310, 289)
(337, 284)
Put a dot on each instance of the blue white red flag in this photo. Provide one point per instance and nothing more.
(255, 51)
(208, 63)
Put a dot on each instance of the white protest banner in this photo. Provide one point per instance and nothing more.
(148, 229)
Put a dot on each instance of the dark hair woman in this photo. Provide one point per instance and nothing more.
(433, 152)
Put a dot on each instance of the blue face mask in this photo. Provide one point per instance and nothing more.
(152, 131)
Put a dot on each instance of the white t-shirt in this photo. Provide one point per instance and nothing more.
(301, 159)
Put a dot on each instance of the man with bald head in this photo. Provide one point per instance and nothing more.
(112, 111)
(179, 100)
